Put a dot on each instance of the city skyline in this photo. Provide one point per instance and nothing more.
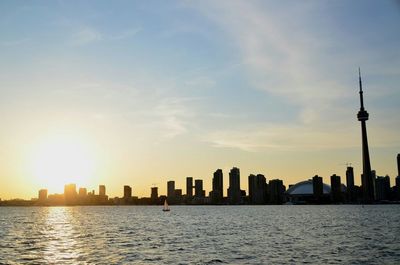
(138, 94)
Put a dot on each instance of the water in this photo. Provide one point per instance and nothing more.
(201, 235)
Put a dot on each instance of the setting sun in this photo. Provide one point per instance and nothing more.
(61, 159)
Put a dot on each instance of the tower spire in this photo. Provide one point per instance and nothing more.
(361, 91)
(367, 179)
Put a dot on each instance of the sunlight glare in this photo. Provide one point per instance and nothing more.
(63, 159)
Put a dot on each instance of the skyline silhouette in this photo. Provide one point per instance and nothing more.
(123, 94)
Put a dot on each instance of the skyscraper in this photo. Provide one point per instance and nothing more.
(351, 196)
(367, 179)
(70, 194)
(234, 193)
(398, 165)
(276, 191)
(257, 186)
(102, 190)
(217, 187)
(154, 194)
(42, 195)
(382, 188)
(171, 189)
(318, 189)
(189, 187)
(336, 191)
(127, 192)
(198, 188)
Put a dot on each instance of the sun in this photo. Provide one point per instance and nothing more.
(63, 158)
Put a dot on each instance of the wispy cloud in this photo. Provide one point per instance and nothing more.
(86, 35)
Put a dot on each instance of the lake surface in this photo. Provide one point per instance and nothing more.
(201, 235)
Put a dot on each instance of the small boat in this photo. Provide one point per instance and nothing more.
(166, 207)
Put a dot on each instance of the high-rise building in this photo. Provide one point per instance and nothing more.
(276, 191)
(189, 187)
(70, 194)
(382, 188)
(350, 192)
(350, 177)
(234, 192)
(367, 179)
(398, 165)
(318, 188)
(336, 189)
(42, 195)
(82, 192)
(217, 187)
(198, 188)
(102, 190)
(127, 192)
(171, 189)
(154, 194)
(257, 186)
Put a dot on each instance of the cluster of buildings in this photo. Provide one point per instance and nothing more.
(259, 191)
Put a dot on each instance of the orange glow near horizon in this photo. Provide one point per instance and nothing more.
(60, 159)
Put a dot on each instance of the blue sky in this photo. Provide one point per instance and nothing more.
(207, 84)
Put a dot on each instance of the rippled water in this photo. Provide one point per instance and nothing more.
(201, 235)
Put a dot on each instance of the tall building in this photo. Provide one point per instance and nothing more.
(189, 187)
(198, 188)
(257, 186)
(70, 194)
(367, 179)
(398, 165)
(382, 188)
(276, 191)
(82, 192)
(217, 187)
(154, 194)
(42, 195)
(260, 192)
(127, 192)
(234, 192)
(336, 189)
(351, 194)
(318, 188)
(171, 189)
(102, 190)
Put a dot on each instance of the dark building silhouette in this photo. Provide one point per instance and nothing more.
(70, 194)
(350, 192)
(336, 192)
(234, 192)
(154, 194)
(170, 190)
(398, 165)
(189, 187)
(318, 189)
(198, 189)
(42, 195)
(366, 179)
(276, 191)
(382, 188)
(257, 189)
(127, 193)
(102, 190)
(217, 187)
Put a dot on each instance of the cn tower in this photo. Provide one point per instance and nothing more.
(367, 180)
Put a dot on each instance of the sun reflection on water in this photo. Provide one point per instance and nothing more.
(60, 235)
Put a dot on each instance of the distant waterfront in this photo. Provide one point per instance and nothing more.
(329, 234)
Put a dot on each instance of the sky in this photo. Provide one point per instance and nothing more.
(141, 92)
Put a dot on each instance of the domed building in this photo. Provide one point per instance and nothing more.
(303, 192)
